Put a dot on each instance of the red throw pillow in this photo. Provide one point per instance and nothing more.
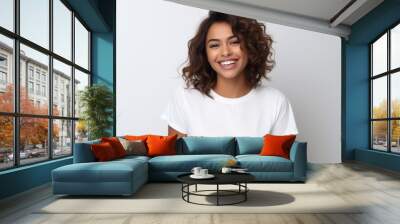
(277, 145)
(161, 145)
(116, 145)
(103, 151)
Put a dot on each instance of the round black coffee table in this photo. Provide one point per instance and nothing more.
(238, 179)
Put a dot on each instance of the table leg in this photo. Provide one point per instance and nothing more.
(217, 194)
(188, 190)
(182, 189)
(245, 191)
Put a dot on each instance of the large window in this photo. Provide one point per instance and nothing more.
(44, 64)
(385, 91)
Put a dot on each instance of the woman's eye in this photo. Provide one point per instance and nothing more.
(235, 42)
(213, 45)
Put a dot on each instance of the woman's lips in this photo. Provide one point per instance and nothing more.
(227, 64)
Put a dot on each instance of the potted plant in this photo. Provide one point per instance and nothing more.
(96, 102)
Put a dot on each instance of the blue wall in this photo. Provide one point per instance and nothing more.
(356, 83)
(99, 15)
(24, 178)
(103, 62)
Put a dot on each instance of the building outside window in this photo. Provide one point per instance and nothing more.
(3, 72)
(44, 77)
(3, 78)
(30, 87)
(30, 72)
(37, 75)
(38, 89)
(3, 61)
(43, 90)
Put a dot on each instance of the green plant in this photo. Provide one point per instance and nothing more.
(96, 102)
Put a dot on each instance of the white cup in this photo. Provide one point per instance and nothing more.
(226, 170)
(196, 170)
(203, 172)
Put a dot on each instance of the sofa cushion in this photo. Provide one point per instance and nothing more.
(185, 163)
(133, 158)
(249, 145)
(111, 171)
(257, 163)
(206, 145)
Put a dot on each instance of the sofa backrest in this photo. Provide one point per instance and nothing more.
(249, 145)
(206, 145)
(191, 146)
(83, 152)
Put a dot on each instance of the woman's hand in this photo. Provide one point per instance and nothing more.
(172, 131)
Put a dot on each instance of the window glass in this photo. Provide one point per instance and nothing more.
(379, 56)
(395, 47)
(62, 91)
(379, 135)
(7, 14)
(33, 140)
(62, 137)
(81, 131)
(395, 94)
(379, 100)
(81, 45)
(6, 74)
(34, 81)
(62, 29)
(39, 62)
(34, 21)
(81, 81)
(395, 136)
(6, 142)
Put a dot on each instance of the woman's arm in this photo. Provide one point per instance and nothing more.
(172, 131)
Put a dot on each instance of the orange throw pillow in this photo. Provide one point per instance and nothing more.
(103, 151)
(116, 145)
(135, 138)
(161, 145)
(277, 145)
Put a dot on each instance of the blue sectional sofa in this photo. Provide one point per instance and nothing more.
(125, 176)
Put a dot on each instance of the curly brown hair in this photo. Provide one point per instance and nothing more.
(198, 72)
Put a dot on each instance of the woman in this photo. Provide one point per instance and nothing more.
(228, 58)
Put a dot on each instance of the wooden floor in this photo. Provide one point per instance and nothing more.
(377, 188)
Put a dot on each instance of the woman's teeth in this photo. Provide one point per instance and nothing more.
(227, 65)
(227, 62)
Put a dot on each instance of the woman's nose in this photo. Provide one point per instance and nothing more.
(226, 50)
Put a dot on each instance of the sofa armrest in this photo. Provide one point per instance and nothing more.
(298, 155)
(83, 152)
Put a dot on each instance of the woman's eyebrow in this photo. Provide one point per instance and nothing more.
(229, 38)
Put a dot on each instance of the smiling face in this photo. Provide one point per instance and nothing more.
(224, 52)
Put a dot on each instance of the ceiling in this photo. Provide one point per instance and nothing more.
(326, 16)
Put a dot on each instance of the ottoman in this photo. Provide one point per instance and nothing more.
(118, 177)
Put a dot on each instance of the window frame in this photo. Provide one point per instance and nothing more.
(16, 115)
(388, 74)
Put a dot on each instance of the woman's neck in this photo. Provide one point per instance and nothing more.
(231, 88)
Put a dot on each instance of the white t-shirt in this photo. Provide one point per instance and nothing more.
(264, 110)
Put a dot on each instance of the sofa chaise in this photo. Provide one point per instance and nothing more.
(126, 175)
